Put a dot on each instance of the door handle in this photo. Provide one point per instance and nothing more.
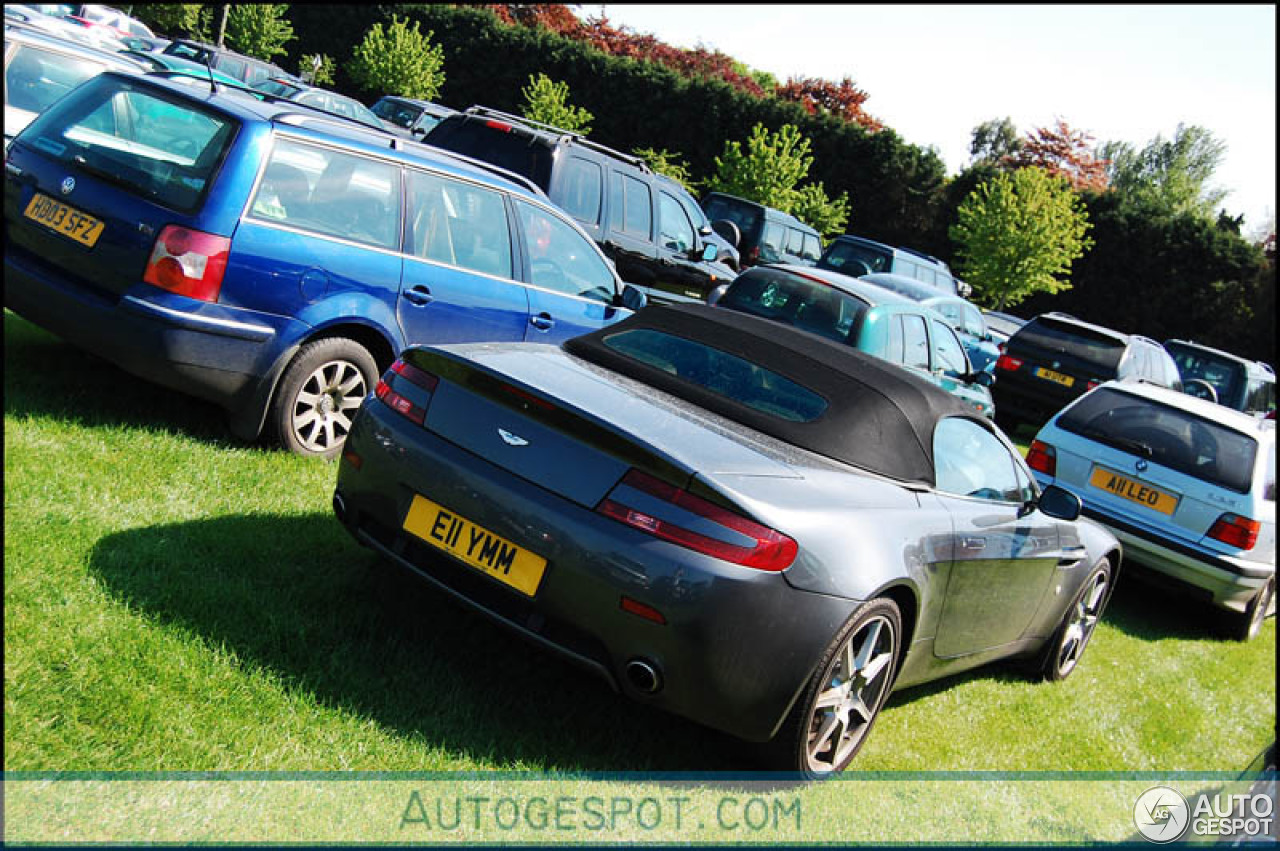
(973, 543)
(542, 321)
(419, 295)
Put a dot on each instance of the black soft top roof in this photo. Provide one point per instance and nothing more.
(879, 417)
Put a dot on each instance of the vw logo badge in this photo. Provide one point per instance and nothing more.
(68, 185)
(512, 439)
(1141, 465)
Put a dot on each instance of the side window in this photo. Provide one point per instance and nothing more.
(771, 242)
(973, 321)
(460, 224)
(631, 205)
(970, 461)
(231, 67)
(330, 192)
(675, 231)
(561, 258)
(915, 342)
(952, 311)
(581, 190)
(812, 248)
(950, 353)
(795, 241)
(925, 274)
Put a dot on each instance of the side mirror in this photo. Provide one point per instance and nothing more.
(982, 377)
(1059, 503)
(728, 230)
(632, 298)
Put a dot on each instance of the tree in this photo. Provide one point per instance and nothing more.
(665, 162)
(1018, 234)
(994, 141)
(827, 216)
(548, 101)
(259, 29)
(1063, 152)
(1172, 175)
(182, 19)
(843, 100)
(316, 68)
(769, 170)
(398, 61)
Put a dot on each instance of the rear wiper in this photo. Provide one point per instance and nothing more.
(1119, 442)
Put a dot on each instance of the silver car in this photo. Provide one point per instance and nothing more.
(1187, 485)
(725, 518)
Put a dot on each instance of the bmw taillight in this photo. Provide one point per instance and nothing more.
(400, 402)
(1042, 458)
(1235, 531)
(761, 548)
(1009, 364)
(753, 256)
(188, 262)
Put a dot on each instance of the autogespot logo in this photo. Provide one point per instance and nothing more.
(1161, 814)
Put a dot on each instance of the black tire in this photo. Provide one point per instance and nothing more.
(1247, 626)
(819, 737)
(1069, 641)
(318, 395)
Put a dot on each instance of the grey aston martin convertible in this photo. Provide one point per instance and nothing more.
(729, 519)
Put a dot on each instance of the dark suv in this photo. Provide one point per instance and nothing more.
(764, 234)
(1056, 358)
(1222, 377)
(638, 217)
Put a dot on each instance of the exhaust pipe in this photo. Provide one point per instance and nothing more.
(643, 676)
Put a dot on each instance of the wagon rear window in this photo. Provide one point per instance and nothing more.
(1167, 436)
(721, 373)
(156, 145)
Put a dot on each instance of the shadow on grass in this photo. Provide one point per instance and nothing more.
(295, 596)
(1142, 608)
(47, 377)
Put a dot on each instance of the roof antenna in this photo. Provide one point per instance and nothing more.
(213, 89)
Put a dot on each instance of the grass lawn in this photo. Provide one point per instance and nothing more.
(175, 600)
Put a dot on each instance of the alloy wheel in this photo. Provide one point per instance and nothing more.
(856, 683)
(325, 404)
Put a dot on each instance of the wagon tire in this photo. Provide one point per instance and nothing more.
(1079, 622)
(850, 682)
(318, 395)
(1248, 625)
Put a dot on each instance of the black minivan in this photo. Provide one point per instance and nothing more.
(765, 234)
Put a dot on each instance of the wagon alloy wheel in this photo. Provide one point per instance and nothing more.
(849, 685)
(1078, 624)
(323, 409)
(319, 393)
(1250, 624)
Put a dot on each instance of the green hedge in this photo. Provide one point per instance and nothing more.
(893, 187)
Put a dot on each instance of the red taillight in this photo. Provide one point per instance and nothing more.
(643, 610)
(498, 125)
(1042, 458)
(1091, 385)
(1008, 363)
(402, 404)
(770, 550)
(188, 262)
(754, 254)
(1235, 531)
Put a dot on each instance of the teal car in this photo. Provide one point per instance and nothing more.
(867, 317)
(165, 62)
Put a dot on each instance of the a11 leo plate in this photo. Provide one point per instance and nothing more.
(64, 220)
(475, 545)
(1134, 491)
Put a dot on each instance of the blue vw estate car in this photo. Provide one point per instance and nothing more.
(275, 259)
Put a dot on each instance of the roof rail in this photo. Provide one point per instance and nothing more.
(400, 144)
(629, 159)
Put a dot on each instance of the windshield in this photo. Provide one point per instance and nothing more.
(1223, 373)
(398, 113)
(783, 297)
(496, 143)
(1096, 349)
(161, 147)
(1168, 436)
(745, 216)
(854, 259)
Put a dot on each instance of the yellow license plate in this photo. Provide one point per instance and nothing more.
(60, 218)
(475, 545)
(1133, 491)
(1056, 377)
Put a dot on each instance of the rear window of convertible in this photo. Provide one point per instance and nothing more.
(721, 373)
(149, 142)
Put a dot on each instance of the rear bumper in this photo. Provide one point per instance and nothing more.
(212, 351)
(737, 644)
(1025, 399)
